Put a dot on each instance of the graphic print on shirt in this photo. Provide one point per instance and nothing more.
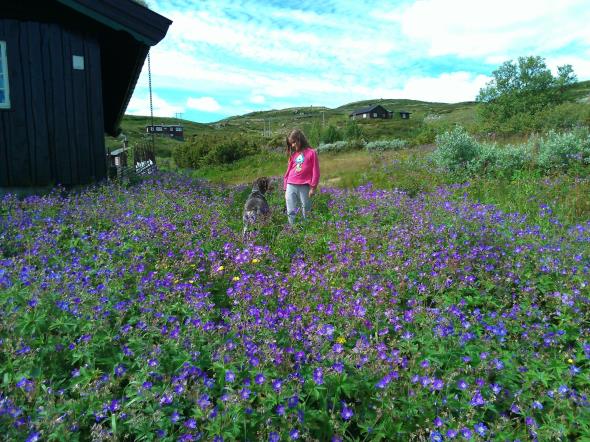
(299, 162)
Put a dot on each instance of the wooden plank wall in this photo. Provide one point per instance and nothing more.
(54, 131)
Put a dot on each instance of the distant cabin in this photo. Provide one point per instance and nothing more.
(376, 111)
(169, 130)
(404, 115)
(67, 71)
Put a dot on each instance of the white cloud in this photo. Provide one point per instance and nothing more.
(140, 105)
(253, 54)
(206, 104)
(479, 28)
(258, 99)
(580, 64)
(452, 87)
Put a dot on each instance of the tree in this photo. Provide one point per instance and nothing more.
(520, 90)
(353, 131)
(331, 134)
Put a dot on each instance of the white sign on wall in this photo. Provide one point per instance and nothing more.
(78, 62)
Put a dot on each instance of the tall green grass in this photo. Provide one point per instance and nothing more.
(562, 196)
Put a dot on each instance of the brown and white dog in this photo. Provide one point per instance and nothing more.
(256, 208)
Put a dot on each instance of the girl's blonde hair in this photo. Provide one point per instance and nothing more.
(296, 135)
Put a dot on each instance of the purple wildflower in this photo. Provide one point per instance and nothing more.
(466, 432)
(293, 401)
(34, 437)
(477, 399)
(191, 424)
(259, 379)
(480, 429)
(435, 436)
(318, 376)
(120, 370)
(346, 412)
(462, 385)
(452, 433)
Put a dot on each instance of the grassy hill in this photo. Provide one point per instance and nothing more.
(281, 121)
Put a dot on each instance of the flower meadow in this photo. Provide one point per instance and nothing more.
(140, 313)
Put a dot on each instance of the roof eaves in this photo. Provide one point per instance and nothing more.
(96, 11)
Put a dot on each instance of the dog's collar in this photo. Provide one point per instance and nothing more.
(256, 192)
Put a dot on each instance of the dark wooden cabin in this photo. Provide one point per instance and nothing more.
(375, 111)
(168, 130)
(68, 70)
(404, 115)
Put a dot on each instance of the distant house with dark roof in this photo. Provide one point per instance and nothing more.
(67, 71)
(374, 111)
(404, 115)
(168, 130)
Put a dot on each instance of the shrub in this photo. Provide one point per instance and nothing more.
(338, 146)
(455, 149)
(506, 160)
(353, 131)
(429, 130)
(210, 150)
(383, 145)
(331, 135)
(558, 150)
(564, 116)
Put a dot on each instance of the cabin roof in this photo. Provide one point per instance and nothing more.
(145, 25)
(368, 109)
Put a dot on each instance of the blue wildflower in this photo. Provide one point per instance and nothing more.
(346, 412)
(435, 436)
(229, 376)
(480, 429)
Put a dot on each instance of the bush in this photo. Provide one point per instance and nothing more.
(338, 146)
(564, 116)
(429, 130)
(211, 150)
(331, 135)
(383, 145)
(455, 149)
(353, 131)
(493, 159)
(558, 150)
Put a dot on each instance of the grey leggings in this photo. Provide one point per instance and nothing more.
(297, 194)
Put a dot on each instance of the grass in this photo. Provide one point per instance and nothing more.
(244, 170)
(426, 117)
(410, 171)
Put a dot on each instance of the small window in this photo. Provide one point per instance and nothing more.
(158, 128)
(4, 91)
(179, 129)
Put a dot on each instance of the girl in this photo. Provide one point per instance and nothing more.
(302, 176)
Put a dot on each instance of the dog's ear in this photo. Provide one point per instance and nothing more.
(262, 184)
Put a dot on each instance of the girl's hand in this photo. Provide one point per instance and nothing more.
(311, 191)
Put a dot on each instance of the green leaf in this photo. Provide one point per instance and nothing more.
(114, 424)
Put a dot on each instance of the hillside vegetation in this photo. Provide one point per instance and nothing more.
(426, 122)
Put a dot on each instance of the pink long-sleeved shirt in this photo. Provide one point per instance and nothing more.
(303, 168)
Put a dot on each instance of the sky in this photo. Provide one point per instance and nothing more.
(223, 58)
